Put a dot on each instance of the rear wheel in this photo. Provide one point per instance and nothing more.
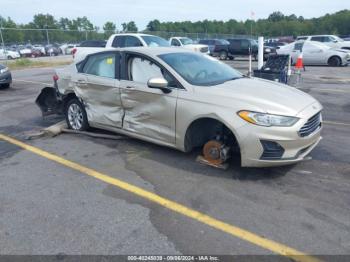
(334, 61)
(4, 86)
(76, 115)
(223, 55)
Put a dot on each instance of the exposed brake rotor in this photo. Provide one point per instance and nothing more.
(215, 152)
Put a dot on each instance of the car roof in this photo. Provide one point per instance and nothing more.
(151, 51)
(132, 34)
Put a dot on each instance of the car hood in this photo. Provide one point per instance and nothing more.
(262, 95)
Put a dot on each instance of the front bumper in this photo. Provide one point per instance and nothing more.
(5, 78)
(293, 147)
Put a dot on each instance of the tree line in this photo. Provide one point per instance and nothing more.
(81, 28)
(277, 24)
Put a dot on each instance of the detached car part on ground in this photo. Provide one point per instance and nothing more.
(186, 100)
(5, 77)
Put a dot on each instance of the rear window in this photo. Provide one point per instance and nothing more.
(222, 42)
(155, 40)
(93, 43)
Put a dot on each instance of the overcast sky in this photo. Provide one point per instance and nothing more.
(119, 11)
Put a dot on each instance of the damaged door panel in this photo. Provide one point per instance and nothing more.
(148, 111)
(98, 87)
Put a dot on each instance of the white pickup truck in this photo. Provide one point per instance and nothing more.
(123, 40)
(188, 43)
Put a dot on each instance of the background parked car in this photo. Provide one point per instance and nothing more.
(275, 45)
(315, 53)
(69, 49)
(217, 47)
(329, 40)
(5, 77)
(188, 43)
(41, 48)
(24, 51)
(245, 46)
(8, 54)
(52, 50)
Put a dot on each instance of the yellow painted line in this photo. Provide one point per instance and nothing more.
(181, 209)
(335, 123)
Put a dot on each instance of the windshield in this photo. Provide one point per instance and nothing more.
(200, 70)
(224, 42)
(186, 41)
(155, 40)
(337, 38)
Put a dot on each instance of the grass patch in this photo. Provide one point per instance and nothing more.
(29, 63)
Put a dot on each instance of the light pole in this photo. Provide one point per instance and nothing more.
(47, 32)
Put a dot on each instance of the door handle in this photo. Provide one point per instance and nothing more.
(129, 87)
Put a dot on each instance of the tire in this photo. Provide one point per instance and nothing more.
(231, 57)
(255, 57)
(4, 86)
(76, 117)
(9, 57)
(223, 55)
(334, 61)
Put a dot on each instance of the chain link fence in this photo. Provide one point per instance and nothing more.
(24, 36)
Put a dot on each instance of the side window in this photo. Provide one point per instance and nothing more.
(317, 38)
(141, 70)
(327, 39)
(245, 44)
(235, 44)
(298, 47)
(131, 41)
(175, 42)
(101, 65)
(119, 41)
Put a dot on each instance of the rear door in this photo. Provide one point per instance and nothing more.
(148, 111)
(235, 45)
(245, 47)
(97, 84)
(314, 54)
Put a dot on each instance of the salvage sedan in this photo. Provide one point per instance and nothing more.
(186, 100)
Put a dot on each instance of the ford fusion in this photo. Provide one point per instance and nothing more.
(186, 100)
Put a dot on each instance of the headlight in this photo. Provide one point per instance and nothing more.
(267, 50)
(4, 70)
(262, 119)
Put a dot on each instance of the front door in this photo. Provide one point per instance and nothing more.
(98, 86)
(149, 112)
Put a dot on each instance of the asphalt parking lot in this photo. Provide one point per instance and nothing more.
(49, 208)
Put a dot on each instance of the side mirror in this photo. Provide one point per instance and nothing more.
(159, 83)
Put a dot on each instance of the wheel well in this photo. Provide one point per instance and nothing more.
(329, 59)
(202, 130)
(67, 98)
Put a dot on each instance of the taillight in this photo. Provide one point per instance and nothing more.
(74, 51)
(55, 77)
